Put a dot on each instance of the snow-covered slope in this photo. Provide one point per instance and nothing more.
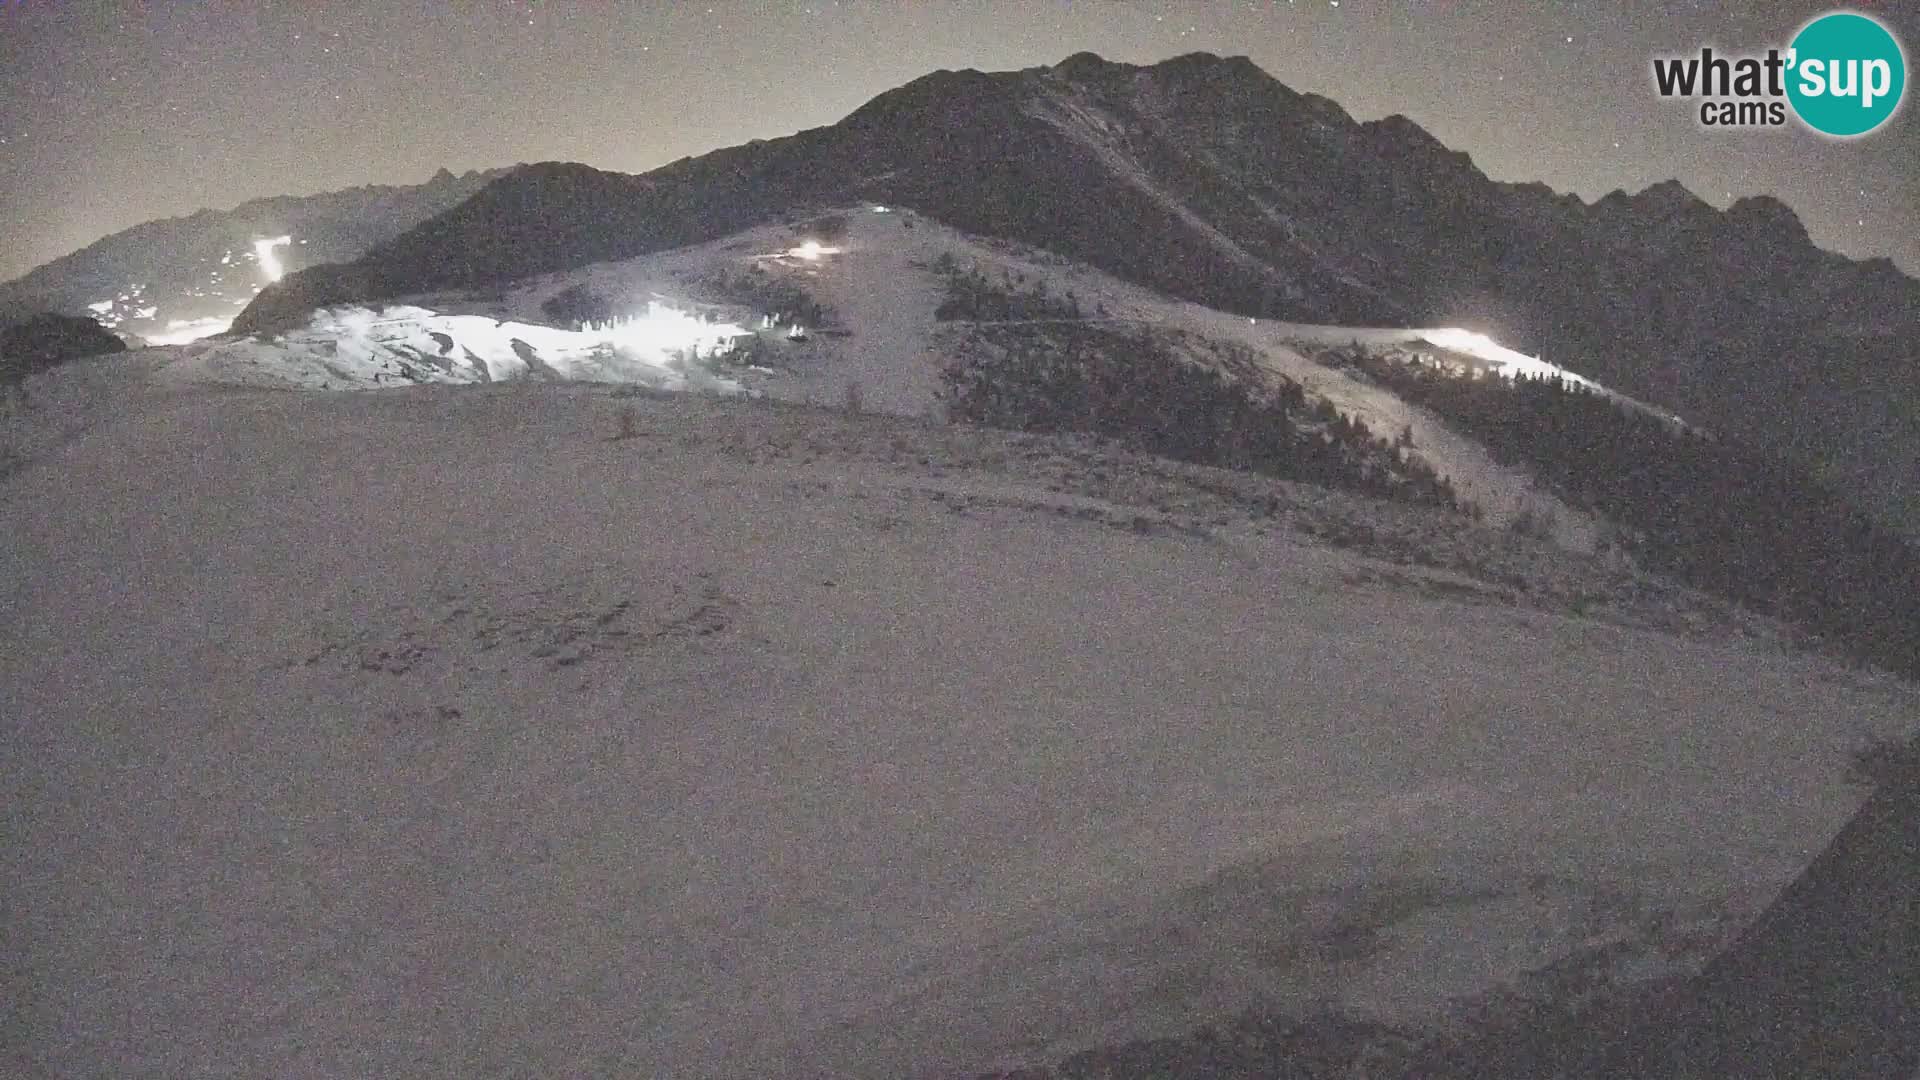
(875, 277)
(356, 349)
(875, 272)
(1464, 349)
(443, 732)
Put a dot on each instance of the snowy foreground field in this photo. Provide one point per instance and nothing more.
(437, 732)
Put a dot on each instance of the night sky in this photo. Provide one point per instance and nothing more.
(115, 115)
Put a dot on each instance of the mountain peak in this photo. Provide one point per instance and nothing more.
(1669, 196)
(1083, 64)
(1401, 128)
(1202, 58)
(1210, 66)
(1087, 64)
(1764, 213)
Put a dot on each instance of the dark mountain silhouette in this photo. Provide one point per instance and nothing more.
(201, 266)
(1825, 984)
(1729, 519)
(1210, 180)
(48, 340)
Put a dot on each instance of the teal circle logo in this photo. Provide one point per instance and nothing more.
(1847, 74)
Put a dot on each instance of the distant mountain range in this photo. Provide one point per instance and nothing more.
(189, 276)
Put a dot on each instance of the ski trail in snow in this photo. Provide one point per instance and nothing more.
(888, 304)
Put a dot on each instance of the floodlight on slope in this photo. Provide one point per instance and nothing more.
(663, 331)
(812, 251)
(269, 262)
(1507, 361)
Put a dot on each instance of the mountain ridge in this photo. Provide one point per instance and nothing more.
(956, 99)
(1209, 180)
(194, 268)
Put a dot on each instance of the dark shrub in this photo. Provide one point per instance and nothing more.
(575, 306)
(827, 228)
(785, 301)
(972, 295)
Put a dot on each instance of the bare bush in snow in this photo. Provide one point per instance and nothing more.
(629, 424)
(1535, 520)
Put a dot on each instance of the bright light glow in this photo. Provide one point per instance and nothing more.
(348, 348)
(881, 210)
(811, 251)
(663, 331)
(181, 331)
(1504, 360)
(100, 307)
(269, 262)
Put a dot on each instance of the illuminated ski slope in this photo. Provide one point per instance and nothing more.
(1477, 347)
(357, 348)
